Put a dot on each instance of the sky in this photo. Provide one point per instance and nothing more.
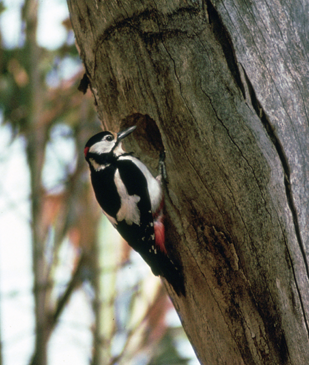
(51, 34)
(15, 275)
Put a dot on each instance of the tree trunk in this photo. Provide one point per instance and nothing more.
(35, 157)
(221, 86)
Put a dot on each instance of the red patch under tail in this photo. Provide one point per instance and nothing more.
(159, 231)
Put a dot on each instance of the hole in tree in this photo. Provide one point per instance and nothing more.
(147, 137)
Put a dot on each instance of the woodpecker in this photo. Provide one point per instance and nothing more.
(132, 199)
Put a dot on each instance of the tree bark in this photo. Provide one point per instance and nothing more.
(221, 86)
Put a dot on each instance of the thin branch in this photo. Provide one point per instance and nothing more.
(63, 300)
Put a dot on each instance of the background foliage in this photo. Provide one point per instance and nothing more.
(85, 279)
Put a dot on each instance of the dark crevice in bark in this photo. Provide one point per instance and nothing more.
(277, 332)
(137, 22)
(289, 193)
(222, 36)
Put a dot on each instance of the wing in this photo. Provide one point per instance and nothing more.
(105, 190)
(140, 234)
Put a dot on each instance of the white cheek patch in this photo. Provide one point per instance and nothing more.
(128, 210)
(102, 147)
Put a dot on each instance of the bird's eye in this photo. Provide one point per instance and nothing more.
(109, 138)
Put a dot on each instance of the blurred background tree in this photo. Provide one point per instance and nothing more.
(123, 309)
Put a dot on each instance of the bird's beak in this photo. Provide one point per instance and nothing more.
(121, 135)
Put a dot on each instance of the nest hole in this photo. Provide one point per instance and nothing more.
(146, 139)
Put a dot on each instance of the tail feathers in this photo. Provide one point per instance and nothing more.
(174, 275)
(165, 267)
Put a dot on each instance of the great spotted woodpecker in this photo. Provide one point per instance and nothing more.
(132, 199)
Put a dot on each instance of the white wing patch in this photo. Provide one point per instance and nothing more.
(154, 186)
(128, 210)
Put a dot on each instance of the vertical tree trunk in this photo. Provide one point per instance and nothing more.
(35, 158)
(221, 86)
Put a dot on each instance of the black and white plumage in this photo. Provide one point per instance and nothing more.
(132, 200)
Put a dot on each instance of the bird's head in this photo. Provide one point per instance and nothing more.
(104, 146)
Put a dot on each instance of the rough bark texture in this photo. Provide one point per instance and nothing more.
(221, 85)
